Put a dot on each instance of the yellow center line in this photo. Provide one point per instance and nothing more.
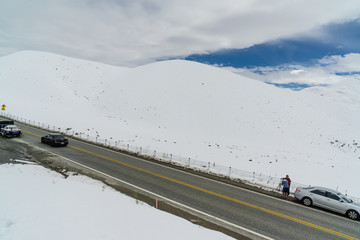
(30, 133)
(216, 194)
(221, 196)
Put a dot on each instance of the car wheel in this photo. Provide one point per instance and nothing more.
(352, 214)
(42, 141)
(307, 201)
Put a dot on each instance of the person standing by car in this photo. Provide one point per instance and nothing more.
(285, 191)
(288, 179)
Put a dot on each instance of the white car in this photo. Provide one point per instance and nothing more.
(329, 199)
(10, 130)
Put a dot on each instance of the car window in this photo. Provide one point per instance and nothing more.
(58, 137)
(344, 198)
(319, 192)
(332, 196)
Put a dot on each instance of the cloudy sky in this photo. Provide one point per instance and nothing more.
(135, 32)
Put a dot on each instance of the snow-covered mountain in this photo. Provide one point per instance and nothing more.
(195, 110)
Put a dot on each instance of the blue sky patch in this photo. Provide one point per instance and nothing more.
(292, 86)
(347, 73)
(336, 39)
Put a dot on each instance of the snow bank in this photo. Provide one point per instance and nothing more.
(37, 203)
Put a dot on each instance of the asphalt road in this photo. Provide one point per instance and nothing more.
(233, 210)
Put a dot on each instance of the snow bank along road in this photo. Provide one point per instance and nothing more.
(234, 210)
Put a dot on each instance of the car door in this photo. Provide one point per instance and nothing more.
(335, 203)
(318, 197)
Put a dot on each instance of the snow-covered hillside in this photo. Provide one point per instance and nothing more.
(195, 110)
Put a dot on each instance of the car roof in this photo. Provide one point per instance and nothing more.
(56, 134)
(11, 126)
(323, 188)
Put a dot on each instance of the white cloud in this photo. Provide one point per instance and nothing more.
(342, 64)
(297, 71)
(325, 72)
(305, 75)
(135, 32)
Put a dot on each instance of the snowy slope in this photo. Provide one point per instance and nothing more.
(198, 111)
(41, 204)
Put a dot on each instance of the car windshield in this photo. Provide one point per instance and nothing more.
(345, 198)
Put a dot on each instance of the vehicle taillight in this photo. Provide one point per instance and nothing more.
(297, 190)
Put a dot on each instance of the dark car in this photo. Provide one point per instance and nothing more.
(55, 139)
